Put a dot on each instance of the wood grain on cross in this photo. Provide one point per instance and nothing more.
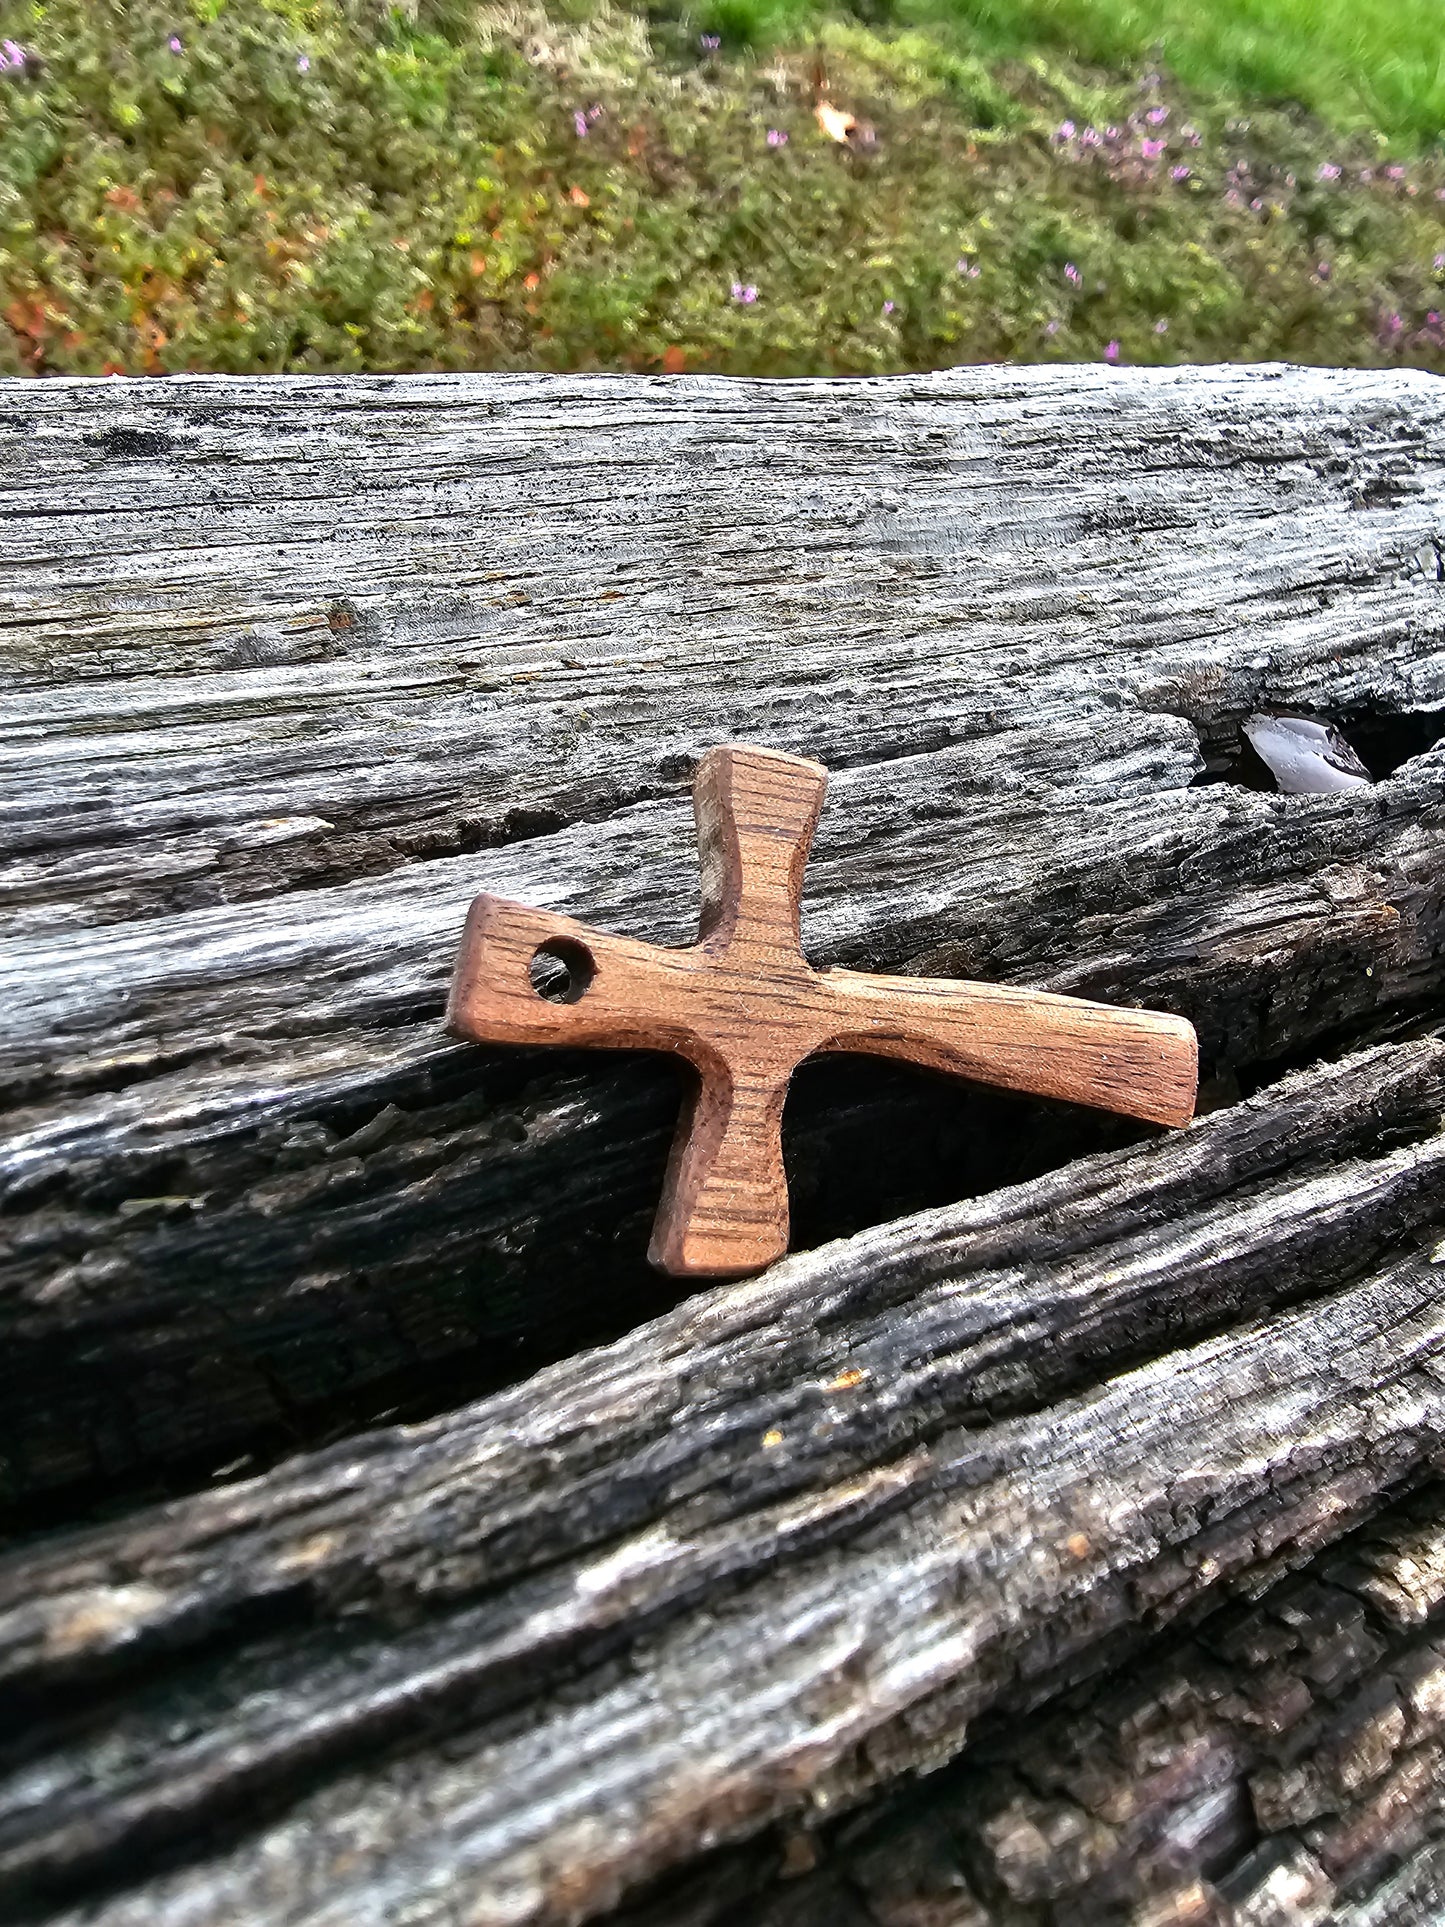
(744, 1007)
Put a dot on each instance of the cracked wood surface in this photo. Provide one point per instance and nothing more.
(1072, 1545)
(760, 1558)
(294, 668)
(1280, 1761)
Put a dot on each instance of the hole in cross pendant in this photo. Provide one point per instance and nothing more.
(561, 970)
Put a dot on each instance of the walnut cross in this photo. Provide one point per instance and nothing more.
(744, 1007)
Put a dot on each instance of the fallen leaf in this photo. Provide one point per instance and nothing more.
(845, 1381)
(533, 280)
(674, 361)
(578, 198)
(834, 122)
(26, 319)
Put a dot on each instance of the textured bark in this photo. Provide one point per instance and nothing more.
(297, 667)
(1282, 1761)
(761, 1557)
(1069, 1551)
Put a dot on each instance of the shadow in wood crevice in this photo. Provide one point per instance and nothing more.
(435, 1295)
(498, 1219)
(1395, 1026)
(865, 1141)
(420, 1294)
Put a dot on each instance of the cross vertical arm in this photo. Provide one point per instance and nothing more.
(756, 813)
(725, 1201)
(724, 1209)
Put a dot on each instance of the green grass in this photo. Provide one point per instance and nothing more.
(332, 185)
(1374, 66)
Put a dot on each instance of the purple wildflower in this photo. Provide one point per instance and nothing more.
(1111, 353)
(1064, 131)
(1257, 204)
(1327, 171)
(776, 137)
(970, 270)
(1090, 138)
(1111, 133)
(1161, 327)
(1180, 173)
(887, 307)
(709, 42)
(1367, 174)
(746, 293)
(1157, 116)
(579, 121)
(1433, 317)
(594, 112)
(1394, 173)
(12, 56)
(1151, 150)
(1051, 327)
(1193, 137)
(174, 43)
(1438, 263)
(1072, 275)
(1323, 271)
(303, 63)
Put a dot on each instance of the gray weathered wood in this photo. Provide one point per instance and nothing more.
(1066, 1548)
(399, 640)
(1274, 1761)
(763, 1555)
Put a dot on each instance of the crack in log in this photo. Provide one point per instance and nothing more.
(542, 1600)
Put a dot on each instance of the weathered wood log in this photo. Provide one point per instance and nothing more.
(1293, 1746)
(278, 652)
(763, 1555)
(949, 1528)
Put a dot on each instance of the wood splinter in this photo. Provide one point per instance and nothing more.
(744, 1007)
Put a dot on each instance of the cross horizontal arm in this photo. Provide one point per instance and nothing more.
(1140, 1063)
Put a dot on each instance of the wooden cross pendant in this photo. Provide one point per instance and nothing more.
(744, 1007)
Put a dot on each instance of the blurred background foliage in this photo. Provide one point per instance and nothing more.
(753, 186)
